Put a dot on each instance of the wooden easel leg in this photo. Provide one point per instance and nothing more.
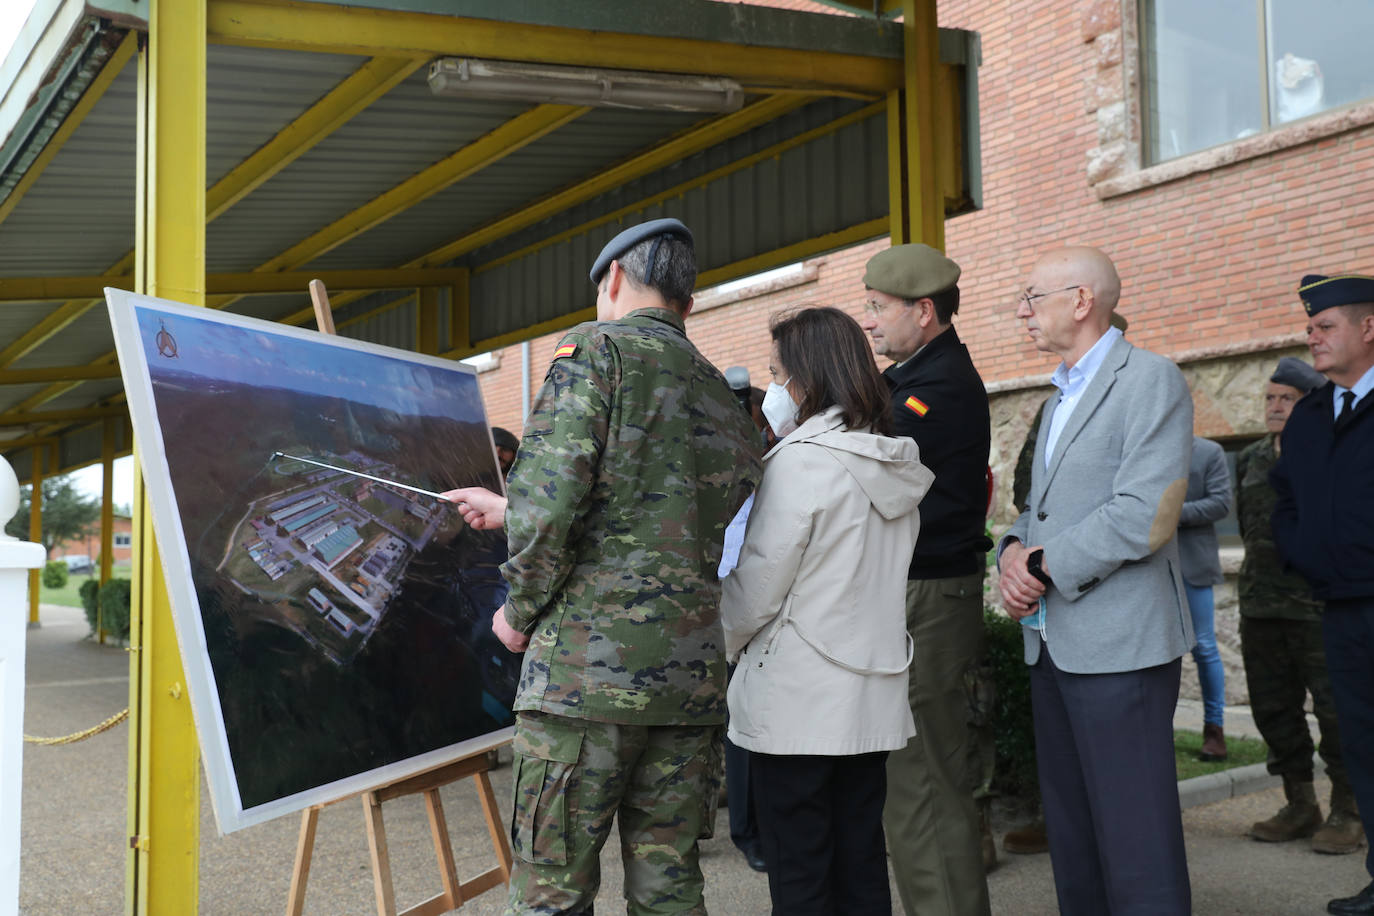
(495, 826)
(305, 849)
(381, 861)
(443, 850)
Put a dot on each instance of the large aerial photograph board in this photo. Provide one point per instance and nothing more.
(333, 615)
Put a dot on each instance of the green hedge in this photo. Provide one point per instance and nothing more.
(113, 601)
(1015, 735)
(55, 574)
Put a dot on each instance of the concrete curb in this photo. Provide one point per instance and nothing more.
(1215, 787)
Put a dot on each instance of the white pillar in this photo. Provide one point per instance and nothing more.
(16, 559)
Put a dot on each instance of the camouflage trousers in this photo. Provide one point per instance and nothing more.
(1284, 660)
(573, 777)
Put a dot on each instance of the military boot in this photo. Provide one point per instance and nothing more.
(1342, 833)
(1299, 818)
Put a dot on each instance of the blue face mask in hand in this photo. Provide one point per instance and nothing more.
(779, 409)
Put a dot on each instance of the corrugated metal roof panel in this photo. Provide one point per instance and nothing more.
(400, 135)
(830, 183)
(576, 151)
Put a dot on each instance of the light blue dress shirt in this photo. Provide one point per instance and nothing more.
(1072, 382)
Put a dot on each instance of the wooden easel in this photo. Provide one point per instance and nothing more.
(455, 892)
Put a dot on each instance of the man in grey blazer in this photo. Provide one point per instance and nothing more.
(1091, 568)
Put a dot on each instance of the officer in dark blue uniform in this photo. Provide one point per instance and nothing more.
(1324, 517)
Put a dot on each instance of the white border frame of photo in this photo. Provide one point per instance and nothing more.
(176, 567)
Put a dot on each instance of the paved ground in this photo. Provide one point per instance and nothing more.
(74, 827)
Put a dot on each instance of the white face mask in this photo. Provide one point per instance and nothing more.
(779, 409)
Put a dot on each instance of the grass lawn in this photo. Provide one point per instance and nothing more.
(1240, 752)
(69, 595)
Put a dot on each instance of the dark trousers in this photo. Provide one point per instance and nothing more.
(744, 828)
(1104, 746)
(820, 827)
(1348, 627)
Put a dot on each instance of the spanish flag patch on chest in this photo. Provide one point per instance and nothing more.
(917, 406)
(565, 350)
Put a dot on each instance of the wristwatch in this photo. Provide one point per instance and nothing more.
(1033, 562)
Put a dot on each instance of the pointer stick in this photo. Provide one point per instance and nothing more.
(390, 483)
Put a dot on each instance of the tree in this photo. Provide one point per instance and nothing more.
(67, 512)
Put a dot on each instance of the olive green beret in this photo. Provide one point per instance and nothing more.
(910, 272)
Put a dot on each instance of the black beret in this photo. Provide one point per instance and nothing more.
(504, 438)
(1295, 373)
(1320, 292)
(632, 237)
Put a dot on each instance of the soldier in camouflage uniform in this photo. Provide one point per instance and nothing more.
(635, 457)
(1281, 643)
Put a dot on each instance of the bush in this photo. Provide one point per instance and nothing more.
(89, 589)
(55, 574)
(1015, 734)
(114, 608)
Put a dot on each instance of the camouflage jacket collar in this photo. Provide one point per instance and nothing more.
(665, 315)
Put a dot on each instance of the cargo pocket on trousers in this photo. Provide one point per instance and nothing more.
(545, 759)
(713, 778)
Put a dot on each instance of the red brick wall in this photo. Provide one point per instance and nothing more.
(1207, 260)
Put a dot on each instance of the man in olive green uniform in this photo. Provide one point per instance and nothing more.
(635, 456)
(1281, 643)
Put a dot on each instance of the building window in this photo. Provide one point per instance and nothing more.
(1225, 70)
(123, 540)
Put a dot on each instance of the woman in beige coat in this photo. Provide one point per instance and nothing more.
(814, 615)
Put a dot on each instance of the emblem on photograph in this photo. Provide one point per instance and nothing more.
(166, 343)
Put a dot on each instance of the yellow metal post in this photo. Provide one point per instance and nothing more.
(107, 435)
(427, 321)
(919, 178)
(35, 528)
(164, 777)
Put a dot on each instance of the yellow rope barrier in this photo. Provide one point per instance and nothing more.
(108, 724)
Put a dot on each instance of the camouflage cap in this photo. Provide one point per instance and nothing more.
(910, 272)
(1295, 373)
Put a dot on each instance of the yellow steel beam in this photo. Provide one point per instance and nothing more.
(342, 30)
(28, 417)
(370, 82)
(482, 152)
(14, 445)
(72, 121)
(921, 60)
(678, 148)
(57, 374)
(771, 152)
(164, 775)
(427, 321)
(35, 289)
(899, 225)
(743, 268)
(35, 526)
(107, 459)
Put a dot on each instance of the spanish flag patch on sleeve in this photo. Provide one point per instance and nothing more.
(565, 350)
(917, 406)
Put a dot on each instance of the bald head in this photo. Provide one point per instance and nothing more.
(1081, 265)
(1072, 292)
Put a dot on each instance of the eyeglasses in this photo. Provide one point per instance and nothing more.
(874, 309)
(1029, 298)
